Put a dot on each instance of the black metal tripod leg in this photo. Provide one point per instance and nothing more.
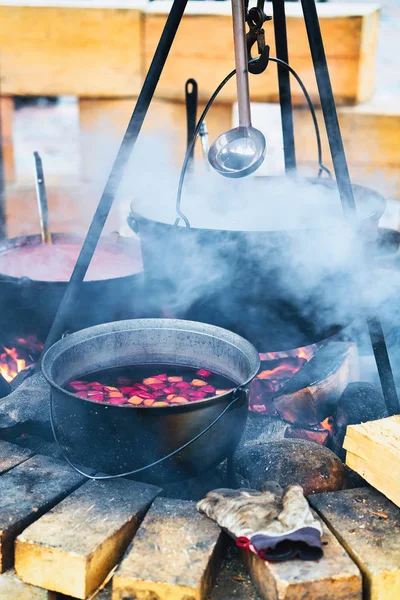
(117, 171)
(344, 185)
(328, 107)
(383, 365)
(285, 97)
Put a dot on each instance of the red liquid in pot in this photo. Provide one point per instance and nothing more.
(150, 385)
(55, 262)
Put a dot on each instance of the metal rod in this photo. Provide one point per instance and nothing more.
(42, 200)
(117, 171)
(241, 63)
(285, 97)
(345, 187)
(383, 365)
(3, 224)
(329, 108)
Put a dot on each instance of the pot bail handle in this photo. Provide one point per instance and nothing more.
(237, 395)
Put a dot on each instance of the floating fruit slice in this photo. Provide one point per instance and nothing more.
(148, 402)
(150, 380)
(135, 400)
(203, 373)
(209, 389)
(199, 383)
(78, 385)
(183, 385)
(174, 379)
(219, 392)
(160, 403)
(179, 400)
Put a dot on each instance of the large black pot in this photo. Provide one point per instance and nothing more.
(117, 439)
(28, 306)
(280, 289)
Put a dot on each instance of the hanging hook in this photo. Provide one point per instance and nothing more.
(255, 18)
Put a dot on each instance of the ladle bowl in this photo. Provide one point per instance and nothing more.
(238, 152)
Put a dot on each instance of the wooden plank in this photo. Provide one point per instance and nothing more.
(12, 455)
(377, 445)
(26, 492)
(6, 128)
(55, 50)
(350, 39)
(368, 526)
(72, 548)
(12, 588)
(334, 576)
(174, 555)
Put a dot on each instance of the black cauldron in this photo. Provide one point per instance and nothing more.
(117, 439)
(262, 283)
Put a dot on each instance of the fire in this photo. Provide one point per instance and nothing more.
(23, 354)
(327, 424)
(276, 369)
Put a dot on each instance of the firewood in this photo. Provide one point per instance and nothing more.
(72, 548)
(174, 555)
(360, 402)
(12, 588)
(368, 526)
(28, 491)
(330, 578)
(373, 451)
(11, 456)
(313, 393)
(314, 467)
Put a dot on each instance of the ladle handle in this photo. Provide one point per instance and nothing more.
(242, 72)
(42, 200)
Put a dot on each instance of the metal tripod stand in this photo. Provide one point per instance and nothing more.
(335, 143)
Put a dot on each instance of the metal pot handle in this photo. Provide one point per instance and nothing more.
(236, 396)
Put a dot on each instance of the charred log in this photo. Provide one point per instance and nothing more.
(312, 394)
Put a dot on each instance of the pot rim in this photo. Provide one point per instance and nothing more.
(139, 324)
(21, 241)
(313, 180)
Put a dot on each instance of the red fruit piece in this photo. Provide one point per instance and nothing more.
(203, 373)
(168, 390)
(96, 397)
(81, 394)
(174, 379)
(145, 395)
(78, 385)
(95, 385)
(208, 388)
(162, 377)
(183, 385)
(158, 394)
(116, 400)
(127, 390)
(156, 386)
(197, 395)
(199, 383)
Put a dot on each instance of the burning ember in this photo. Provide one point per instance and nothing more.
(276, 369)
(172, 386)
(22, 354)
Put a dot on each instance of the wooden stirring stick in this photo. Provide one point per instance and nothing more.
(42, 200)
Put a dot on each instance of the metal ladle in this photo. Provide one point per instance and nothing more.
(239, 151)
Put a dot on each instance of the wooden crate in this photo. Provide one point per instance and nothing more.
(203, 49)
(64, 47)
